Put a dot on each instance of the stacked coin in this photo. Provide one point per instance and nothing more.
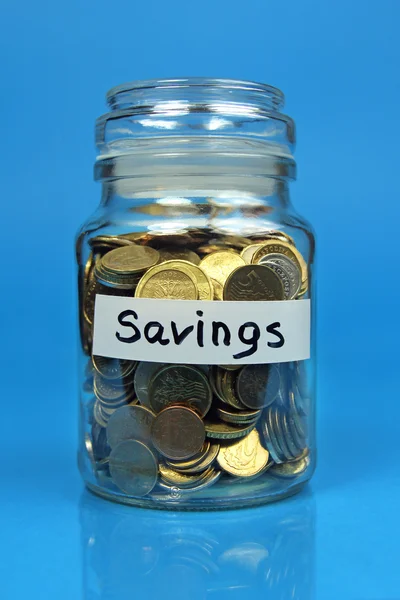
(178, 429)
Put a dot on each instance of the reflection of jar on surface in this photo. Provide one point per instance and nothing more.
(264, 554)
(195, 288)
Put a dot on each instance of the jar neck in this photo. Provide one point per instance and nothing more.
(193, 127)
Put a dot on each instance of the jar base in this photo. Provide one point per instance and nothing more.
(210, 504)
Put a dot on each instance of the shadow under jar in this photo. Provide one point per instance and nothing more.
(195, 281)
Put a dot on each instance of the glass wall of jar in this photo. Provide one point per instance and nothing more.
(196, 279)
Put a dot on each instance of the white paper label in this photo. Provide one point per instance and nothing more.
(201, 332)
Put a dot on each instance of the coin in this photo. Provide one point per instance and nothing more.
(291, 269)
(130, 259)
(116, 281)
(300, 376)
(226, 431)
(280, 434)
(90, 293)
(130, 423)
(297, 421)
(283, 276)
(219, 265)
(177, 253)
(178, 432)
(226, 383)
(199, 465)
(209, 248)
(299, 440)
(275, 234)
(89, 452)
(253, 282)
(203, 282)
(172, 280)
(110, 393)
(197, 458)
(201, 484)
(248, 252)
(270, 439)
(113, 368)
(143, 374)
(180, 384)
(99, 417)
(101, 449)
(182, 479)
(106, 243)
(239, 417)
(133, 468)
(292, 441)
(245, 458)
(258, 385)
(286, 249)
(218, 289)
(291, 469)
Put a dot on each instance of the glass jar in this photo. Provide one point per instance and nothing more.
(195, 279)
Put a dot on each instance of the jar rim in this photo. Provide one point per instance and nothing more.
(274, 94)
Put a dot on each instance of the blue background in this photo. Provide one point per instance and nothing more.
(338, 64)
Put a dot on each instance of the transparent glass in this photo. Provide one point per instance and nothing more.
(196, 172)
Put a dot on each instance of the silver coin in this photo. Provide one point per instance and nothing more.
(257, 386)
(268, 441)
(298, 422)
(143, 374)
(130, 423)
(180, 384)
(133, 468)
(89, 452)
(274, 437)
(295, 448)
(279, 432)
(293, 433)
(291, 269)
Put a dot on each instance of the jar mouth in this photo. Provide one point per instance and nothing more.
(144, 93)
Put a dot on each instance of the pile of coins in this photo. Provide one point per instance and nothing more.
(157, 428)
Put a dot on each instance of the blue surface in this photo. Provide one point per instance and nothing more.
(337, 63)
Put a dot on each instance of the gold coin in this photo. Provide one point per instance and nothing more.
(291, 469)
(127, 281)
(248, 252)
(227, 386)
(244, 458)
(273, 234)
(177, 253)
(210, 248)
(204, 285)
(221, 264)
(203, 464)
(105, 243)
(137, 237)
(172, 280)
(130, 259)
(218, 289)
(280, 247)
(182, 479)
(184, 464)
